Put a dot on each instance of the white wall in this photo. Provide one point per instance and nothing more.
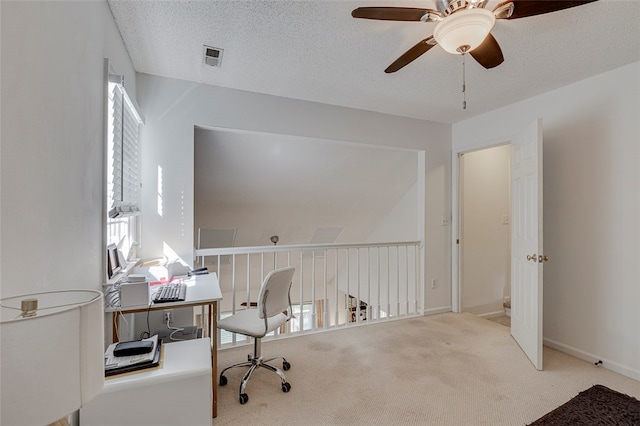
(591, 211)
(484, 242)
(401, 223)
(52, 152)
(172, 108)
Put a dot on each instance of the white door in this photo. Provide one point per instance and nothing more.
(526, 241)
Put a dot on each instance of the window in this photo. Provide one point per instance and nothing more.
(123, 167)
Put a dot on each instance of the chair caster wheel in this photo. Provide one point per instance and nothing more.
(286, 387)
(223, 381)
(244, 398)
(285, 365)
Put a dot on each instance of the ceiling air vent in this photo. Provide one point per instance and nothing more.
(212, 56)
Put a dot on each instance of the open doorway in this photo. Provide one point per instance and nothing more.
(485, 248)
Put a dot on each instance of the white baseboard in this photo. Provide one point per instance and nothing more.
(586, 356)
(440, 310)
(493, 314)
(488, 310)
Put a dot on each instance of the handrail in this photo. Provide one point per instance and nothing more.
(295, 247)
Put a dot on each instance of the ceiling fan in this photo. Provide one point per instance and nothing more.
(463, 26)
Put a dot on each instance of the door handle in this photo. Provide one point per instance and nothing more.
(543, 258)
(533, 257)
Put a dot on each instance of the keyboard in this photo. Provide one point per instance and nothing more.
(171, 293)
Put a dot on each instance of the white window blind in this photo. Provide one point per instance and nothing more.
(124, 151)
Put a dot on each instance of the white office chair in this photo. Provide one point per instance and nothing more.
(273, 310)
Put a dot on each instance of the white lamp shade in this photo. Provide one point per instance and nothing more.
(468, 27)
(51, 363)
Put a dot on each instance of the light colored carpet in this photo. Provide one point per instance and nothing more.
(449, 369)
(502, 319)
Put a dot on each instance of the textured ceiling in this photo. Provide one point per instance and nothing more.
(315, 50)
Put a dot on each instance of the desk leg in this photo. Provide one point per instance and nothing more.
(213, 335)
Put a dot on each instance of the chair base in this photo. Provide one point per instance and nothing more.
(255, 361)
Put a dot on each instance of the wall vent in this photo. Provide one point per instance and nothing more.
(213, 56)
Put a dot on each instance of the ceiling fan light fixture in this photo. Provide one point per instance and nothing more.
(467, 27)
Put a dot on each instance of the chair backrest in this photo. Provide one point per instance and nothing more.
(274, 293)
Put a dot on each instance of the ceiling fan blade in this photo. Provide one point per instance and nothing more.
(412, 54)
(524, 8)
(396, 13)
(488, 54)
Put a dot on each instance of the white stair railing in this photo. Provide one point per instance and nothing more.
(335, 285)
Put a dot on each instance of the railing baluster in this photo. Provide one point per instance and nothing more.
(405, 287)
(368, 310)
(348, 298)
(347, 281)
(336, 285)
(288, 323)
(233, 289)
(219, 335)
(248, 280)
(388, 282)
(398, 280)
(418, 278)
(313, 291)
(301, 300)
(357, 311)
(379, 281)
(406, 276)
(324, 292)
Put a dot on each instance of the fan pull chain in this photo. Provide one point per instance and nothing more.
(464, 84)
(463, 50)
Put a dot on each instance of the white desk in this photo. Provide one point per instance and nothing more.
(179, 392)
(202, 290)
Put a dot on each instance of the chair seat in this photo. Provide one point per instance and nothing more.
(248, 322)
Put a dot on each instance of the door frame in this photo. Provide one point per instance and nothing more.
(457, 264)
(456, 281)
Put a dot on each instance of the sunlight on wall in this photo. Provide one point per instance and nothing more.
(182, 216)
(159, 191)
(170, 255)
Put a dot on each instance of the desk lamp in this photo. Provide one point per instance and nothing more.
(51, 355)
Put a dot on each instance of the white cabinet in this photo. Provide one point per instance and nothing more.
(177, 393)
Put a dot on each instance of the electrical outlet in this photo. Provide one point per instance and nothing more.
(434, 283)
(167, 315)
